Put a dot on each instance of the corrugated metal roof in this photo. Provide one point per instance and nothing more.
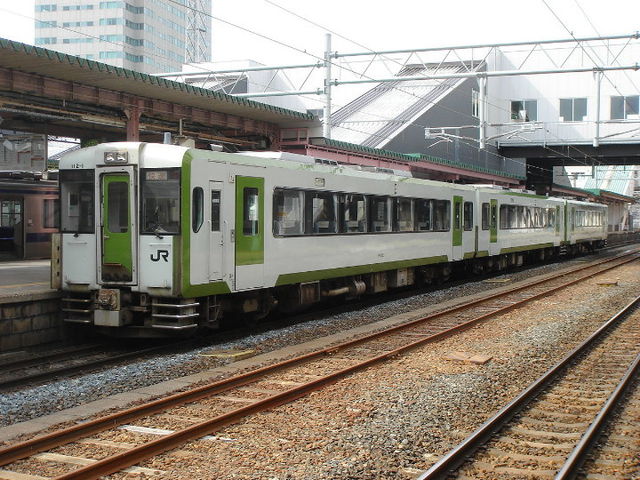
(41, 61)
(375, 117)
(414, 157)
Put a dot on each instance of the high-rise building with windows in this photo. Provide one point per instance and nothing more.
(149, 36)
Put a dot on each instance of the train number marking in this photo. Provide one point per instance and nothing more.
(164, 254)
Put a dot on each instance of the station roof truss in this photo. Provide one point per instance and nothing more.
(70, 92)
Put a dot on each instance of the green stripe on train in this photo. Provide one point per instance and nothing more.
(525, 247)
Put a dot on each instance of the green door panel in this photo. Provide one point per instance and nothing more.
(493, 221)
(249, 220)
(117, 262)
(457, 221)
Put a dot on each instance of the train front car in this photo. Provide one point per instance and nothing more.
(121, 239)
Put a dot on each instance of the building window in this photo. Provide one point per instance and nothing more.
(77, 40)
(46, 8)
(46, 41)
(135, 25)
(625, 107)
(67, 8)
(134, 58)
(112, 38)
(111, 4)
(77, 24)
(573, 109)
(524, 110)
(48, 24)
(108, 55)
(111, 21)
(475, 103)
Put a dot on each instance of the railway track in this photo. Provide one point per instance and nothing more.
(114, 444)
(549, 430)
(67, 362)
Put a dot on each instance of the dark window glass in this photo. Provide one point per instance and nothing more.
(485, 216)
(423, 215)
(160, 201)
(617, 108)
(215, 210)
(353, 213)
(442, 215)
(197, 209)
(118, 208)
(320, 213)
(403, 218)
(379, 214)
(50, 213)
(77, 201)
(251, 212)
(468, 216)
(288, 212)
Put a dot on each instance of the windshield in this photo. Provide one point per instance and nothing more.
(161, 201)
(77, 201)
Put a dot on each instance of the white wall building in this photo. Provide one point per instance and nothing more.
(148, 36)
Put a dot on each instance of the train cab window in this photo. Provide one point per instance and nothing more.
(215, 210)
(197, 209)
(485, 216)
(467, 216)
(118, 194)
(423, 215)
(379, 214)
(160, 201)
(320, 213)
(251, 213)
(403, 218)
(442, 215)
(288, 212)
(77, 201)
(353, 213)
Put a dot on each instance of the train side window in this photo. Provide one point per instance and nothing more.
(197, 209)
(442, 215)
(288, 212)
(552, 217)
(423, 215)
(485, 216)
(403, 218)
(320, 213)
(353, 213)
(379, 214)
(50, 213)
(250, 212)
(468, 216)
(215, 210)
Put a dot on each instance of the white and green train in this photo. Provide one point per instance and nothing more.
(161, 240)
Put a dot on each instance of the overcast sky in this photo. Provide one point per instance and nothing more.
(379, 25)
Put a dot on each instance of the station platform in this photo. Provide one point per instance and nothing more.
(24, 277)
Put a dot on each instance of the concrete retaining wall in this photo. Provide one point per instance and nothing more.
(29, 320)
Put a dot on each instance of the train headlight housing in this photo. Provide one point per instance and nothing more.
(116, 157)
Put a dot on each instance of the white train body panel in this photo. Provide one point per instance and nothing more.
(168, 230)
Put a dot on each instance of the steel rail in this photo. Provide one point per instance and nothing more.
(456, 457)
(143, 452)
(71, 369)
(578, 456)
(30, 447)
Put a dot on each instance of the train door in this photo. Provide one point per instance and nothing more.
(216, 238)
(118, 227)
(457, 228)
(249, 233)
